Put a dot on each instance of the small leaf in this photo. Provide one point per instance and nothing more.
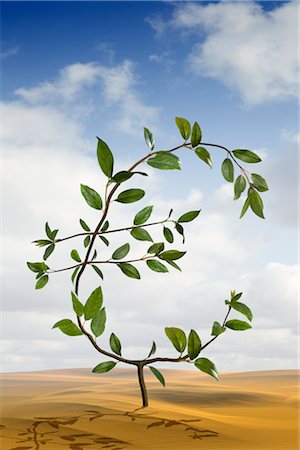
(93, 304)
(53, 234)
(177, 337)
(86, 241)
(196, 135)
(105, 158)
(180, 230)
(124, 175)
(207, 366)
(259, 182)
(156, 266)
(149, 138)
(48, 251)
(246, 156)
(92, 197)
(103, 239)
(173, 264)
(98, 323)
(243, 309)
(245, 207)
(74, 274)
(143, 215)
(77, 305)
(68, 327)
(129, 270)
(189, 216)
(42, 242)
(236, 324)
(84, 225)
(121, 252)
(140, 234)
(228, 170)
(48, 231)
(256, 204)
(171, 255)
(104, 367)
(158, 375)
(156, 248)
(41, 282)
(164, 161)
(115, 344)
(75, 255)
(94, 255)
(37, 266)
(239, 186)
(203, 154)
(184, 127)
(98, 271)
(168, 235)
(235, 297)
(153, 350)
(217, 329)
(194, 344)
(130, 196)
(105, 226)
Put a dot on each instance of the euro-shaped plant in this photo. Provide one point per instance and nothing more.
(159, 257)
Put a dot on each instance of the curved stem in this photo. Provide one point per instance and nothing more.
(215, 337)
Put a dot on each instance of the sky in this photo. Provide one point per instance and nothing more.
(72, 71)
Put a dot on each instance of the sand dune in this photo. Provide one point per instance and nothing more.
(78, 410)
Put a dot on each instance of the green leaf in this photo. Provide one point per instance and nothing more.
(53, 234)
(84, 225)
(239, 186)
(153, 350)
(196, 135)
(203, 154)
(194, 344)
(75, 255)
(140, 234)
(92, 197)
(86, 241)
(104, 367)
(180, 230)
(115, 344)
(164, 161)
(156, 266)
(93, 304)
(48, 251)
(243, 309)
(184, 127)
(42, 242)
(246, 156)
(158, 375)
(129, 270)
(130, 196)
(124, 175)
(207, 366)
(37, 266)
(259, 182)
(235, 297)
(173, 264)
(105, 226)
(236, 324)
(177, 337)
(143, 215)
(98, 323)
(245, 207)
(121, 252)
(77, 305)
(171, 255)
(217, 329)
(103, 239)
(74, 274)
(48, 231)
(94, 255)
(98, 271)
(105, 158)
(228, 170)
(41, 282)
(256, 204)
(68, 327)
(168, 235)
(149, 138)
(156, 248)
(189, 216)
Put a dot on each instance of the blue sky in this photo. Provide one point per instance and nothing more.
(74, 70)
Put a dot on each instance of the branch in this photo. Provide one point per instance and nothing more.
(215, 337)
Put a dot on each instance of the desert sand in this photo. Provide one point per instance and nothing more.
(76, 410)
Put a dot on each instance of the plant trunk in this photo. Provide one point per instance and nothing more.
(142, 385)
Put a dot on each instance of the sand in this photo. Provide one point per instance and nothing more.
(77, 410)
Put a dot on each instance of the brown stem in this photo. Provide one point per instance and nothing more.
(140, 369)
(215, 337)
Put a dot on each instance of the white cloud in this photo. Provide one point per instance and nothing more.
(246, 48)
(9, 52)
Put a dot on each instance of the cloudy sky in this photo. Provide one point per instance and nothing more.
(75, 70)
